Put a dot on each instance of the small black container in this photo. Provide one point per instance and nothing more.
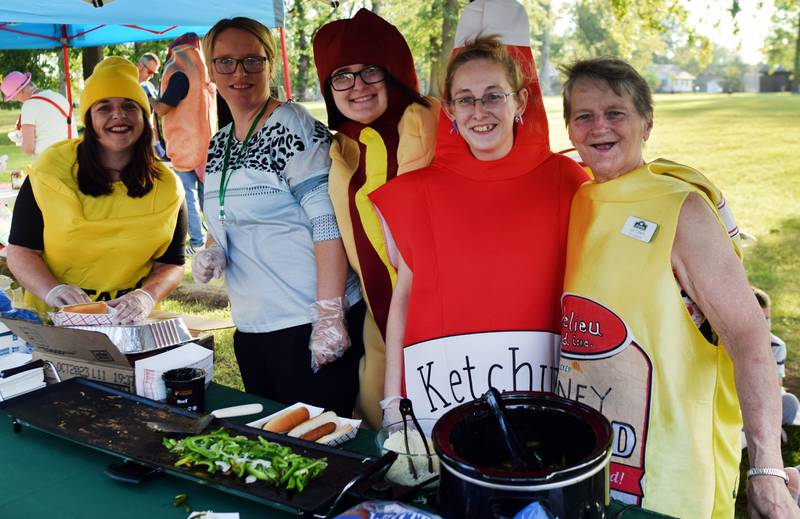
(477, 479)
(186, 387)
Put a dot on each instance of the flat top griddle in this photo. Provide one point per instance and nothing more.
(113, 421)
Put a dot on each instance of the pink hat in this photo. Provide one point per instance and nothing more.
(13, 83)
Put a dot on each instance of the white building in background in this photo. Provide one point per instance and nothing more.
(750, 81)
(713, 87)
(672, 79)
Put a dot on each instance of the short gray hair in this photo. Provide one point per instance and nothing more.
(620, 76)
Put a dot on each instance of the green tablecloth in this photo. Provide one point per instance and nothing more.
(42, 476)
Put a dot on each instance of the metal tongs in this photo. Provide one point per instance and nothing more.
(407, 410)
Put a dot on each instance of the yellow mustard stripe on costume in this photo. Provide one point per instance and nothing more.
(375, 166)
(630, 344)
(102, 244)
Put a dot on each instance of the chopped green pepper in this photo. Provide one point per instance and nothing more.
(241, 456)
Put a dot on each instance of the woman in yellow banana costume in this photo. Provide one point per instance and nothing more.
(100, 218)
(660, 327)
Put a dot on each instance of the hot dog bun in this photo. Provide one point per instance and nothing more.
(338, 433)
(287, 420)
(97, 307)
(314, 426)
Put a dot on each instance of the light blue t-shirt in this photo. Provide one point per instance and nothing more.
(276, 207)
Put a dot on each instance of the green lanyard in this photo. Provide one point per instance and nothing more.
(225, 178)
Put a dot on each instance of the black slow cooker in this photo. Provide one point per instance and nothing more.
(479, 480)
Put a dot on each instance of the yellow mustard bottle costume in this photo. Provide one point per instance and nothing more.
(106, 244)
(631, 350)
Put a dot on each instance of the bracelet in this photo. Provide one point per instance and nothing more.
(765, 471)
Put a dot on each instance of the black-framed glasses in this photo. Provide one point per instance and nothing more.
(347, 80)
(250, 64)
(489, 100)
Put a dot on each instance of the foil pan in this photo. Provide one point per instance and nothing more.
(146, 336)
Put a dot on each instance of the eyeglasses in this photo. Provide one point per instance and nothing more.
(490, 101)
(347, 80)
(250, 64)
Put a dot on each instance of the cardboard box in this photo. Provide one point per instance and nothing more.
(82, 353)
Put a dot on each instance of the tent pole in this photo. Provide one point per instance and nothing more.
(287, 82)
(68, 88)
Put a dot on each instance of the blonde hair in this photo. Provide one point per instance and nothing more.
(484, 47)
(254, 27)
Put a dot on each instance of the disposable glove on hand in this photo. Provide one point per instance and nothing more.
(329, 337)
(208, 263)
(133, 307)
(63, 295)
(15, 136)
(391, 411)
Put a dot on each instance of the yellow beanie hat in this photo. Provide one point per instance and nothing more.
(113, 77)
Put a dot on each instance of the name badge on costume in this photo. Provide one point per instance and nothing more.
(639, 229)
(443, 373)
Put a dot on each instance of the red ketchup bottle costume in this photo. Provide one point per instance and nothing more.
(486, 243)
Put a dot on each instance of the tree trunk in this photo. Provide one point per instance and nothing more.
(545, 80)
(797, 57)
(301, 50)
(90, 57)
(443, 46)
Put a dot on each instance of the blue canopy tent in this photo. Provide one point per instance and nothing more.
(28, 24)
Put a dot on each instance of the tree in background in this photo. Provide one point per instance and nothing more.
(629, 30)
(782, 46)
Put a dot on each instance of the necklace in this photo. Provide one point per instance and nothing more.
(225, 177)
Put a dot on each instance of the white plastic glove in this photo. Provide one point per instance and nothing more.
(391, 411)
(15, 136)
(329, 337)
(133, 307)
(208, 263)
(63, 295)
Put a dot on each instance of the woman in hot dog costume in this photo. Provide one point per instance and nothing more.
(481, 232)
(385, 127)
(100, 218)
(648, 262)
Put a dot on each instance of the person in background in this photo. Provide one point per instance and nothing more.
(46, 116)
(188, 114)
(641, 235)
(366, 58)
(791, 404)
(148, 66)
(113, 225)
(480, 234)
(273, 234)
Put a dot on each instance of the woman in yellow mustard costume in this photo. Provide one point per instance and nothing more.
(648, 263)
(385, 128)
(99, 219)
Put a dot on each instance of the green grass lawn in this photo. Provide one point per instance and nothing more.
(16, 159)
